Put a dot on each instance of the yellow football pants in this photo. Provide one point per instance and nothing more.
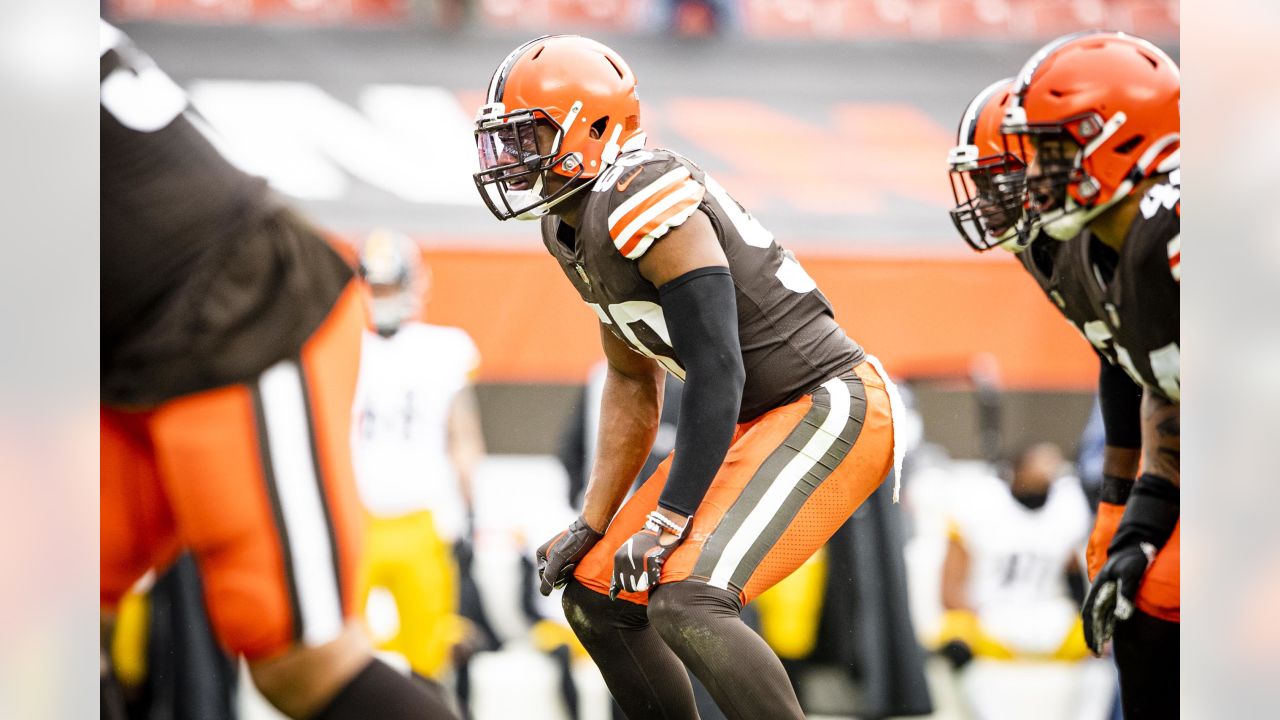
(406, 556)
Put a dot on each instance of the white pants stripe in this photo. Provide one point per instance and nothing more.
(898, 411)
(298, 488)
(782, 486)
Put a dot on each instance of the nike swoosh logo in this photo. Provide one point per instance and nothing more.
(626, 181)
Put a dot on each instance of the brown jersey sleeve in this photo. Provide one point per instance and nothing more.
(648, 193)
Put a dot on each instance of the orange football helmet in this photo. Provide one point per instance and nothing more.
(577, 87)
(1102, 109)
(988, 181)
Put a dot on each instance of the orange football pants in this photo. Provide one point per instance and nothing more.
(1160, 593)
(255, 479)
(790, 479)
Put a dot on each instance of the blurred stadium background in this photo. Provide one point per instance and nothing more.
(828, 119)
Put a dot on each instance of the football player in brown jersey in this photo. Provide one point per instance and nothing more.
(1097, 114)
(786, 425)
(230, 344)
(988, 180)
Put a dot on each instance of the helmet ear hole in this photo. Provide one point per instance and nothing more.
(598, 127)
(1128, 146)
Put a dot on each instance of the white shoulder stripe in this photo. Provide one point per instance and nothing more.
(653, 188)
(674, 221)
(690, 190)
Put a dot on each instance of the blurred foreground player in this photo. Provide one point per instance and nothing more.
(785, 423)
(230, 345)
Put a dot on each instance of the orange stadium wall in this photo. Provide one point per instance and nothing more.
(926, 315)
(922, 314)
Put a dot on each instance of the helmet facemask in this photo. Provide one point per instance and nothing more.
(989, 194)
(515, 166)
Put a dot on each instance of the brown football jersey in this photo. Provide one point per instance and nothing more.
(1054, 266)
(206, 278)
(1137, 291)
(789, 337)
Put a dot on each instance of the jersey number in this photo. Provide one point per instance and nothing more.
(145, 101)
(1165, 362)
(644, 328)
(792, 276)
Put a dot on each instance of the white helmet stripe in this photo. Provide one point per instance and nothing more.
(500, 75)
(1029, 69)
(969, 121)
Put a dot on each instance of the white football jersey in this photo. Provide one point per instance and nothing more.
(408, 383)
(1018, 557)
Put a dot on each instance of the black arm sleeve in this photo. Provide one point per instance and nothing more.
(1121, 400)
(701, 311)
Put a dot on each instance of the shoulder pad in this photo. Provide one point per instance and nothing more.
(648, 193)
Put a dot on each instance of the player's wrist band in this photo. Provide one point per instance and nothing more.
(1115, 489)
(658, 521)
(1150, 515)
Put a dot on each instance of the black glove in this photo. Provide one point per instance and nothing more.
(560, 555)
(1149, 519)
(637, 565)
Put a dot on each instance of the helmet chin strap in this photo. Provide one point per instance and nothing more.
(611, 154)
(1014, 241)
(542, 209)
(523, 196)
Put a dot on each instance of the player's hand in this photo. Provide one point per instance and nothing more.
(957, 653)
(1114, 592)
(1149, 519)
(560, 555)
(637, 565)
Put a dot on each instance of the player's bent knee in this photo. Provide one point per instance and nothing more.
(303, 679)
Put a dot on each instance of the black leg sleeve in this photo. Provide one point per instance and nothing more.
(378, 691)
(1146, 651)
(704, 627)
(644, 676)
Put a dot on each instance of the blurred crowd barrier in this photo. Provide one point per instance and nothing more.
(799, 19)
